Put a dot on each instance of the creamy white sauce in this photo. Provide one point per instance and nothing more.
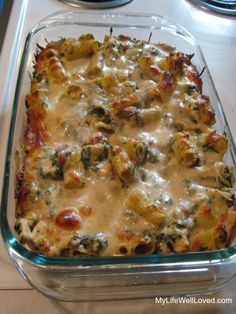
(69, 122)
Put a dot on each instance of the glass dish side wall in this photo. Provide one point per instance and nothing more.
(96, 283)
(63, 278)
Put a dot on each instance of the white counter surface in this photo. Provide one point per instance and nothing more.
(216, 35)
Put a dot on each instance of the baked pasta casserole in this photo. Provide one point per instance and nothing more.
(120, 153)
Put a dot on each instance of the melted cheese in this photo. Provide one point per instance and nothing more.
(111, 77)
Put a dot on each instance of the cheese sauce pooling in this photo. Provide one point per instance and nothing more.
(121, 157)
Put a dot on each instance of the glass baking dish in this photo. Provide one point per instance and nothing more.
(116, 277)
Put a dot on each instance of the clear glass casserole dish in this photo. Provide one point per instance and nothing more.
(116, 277)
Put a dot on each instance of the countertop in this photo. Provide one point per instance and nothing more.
(216, 35)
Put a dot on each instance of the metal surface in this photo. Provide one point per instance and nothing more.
(227, 7)
(5, 11)
(95, 4)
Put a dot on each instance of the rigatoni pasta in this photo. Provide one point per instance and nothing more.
(121, 155)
